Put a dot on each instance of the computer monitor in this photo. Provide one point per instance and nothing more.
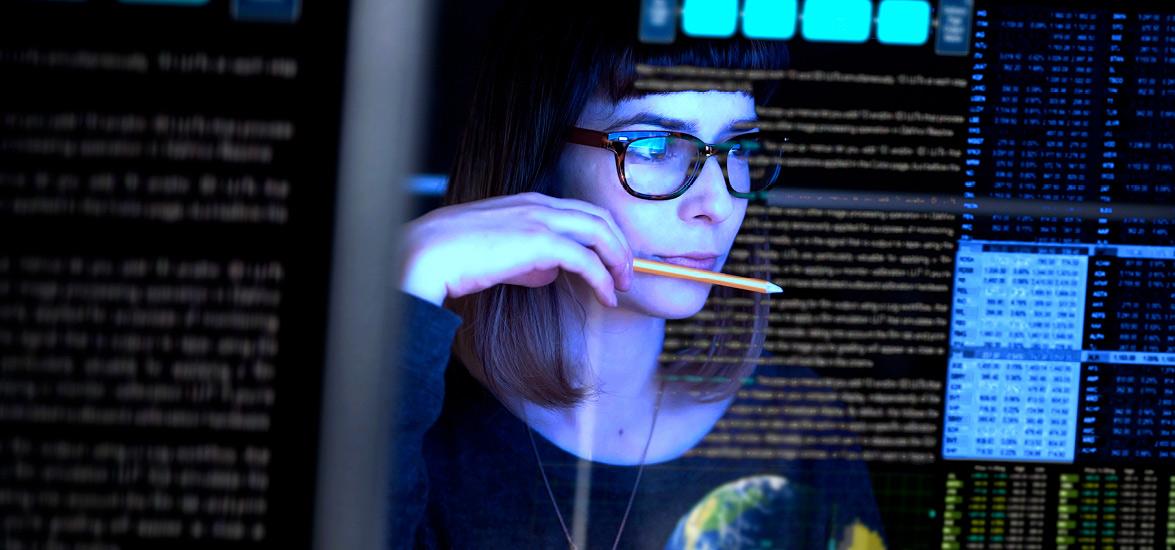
(199, 223)
(972, 230)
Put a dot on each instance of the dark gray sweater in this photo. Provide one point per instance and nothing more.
(464, 475)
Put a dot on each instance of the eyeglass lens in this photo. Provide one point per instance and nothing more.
(659, 165)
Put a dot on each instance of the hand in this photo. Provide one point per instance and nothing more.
(523, 239)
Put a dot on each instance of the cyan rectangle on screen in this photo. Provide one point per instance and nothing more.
(770, 19)
(953, 33)
(710, 18)
(903, 22)
(166, 2)
(267, 11)
(837, 20)
(658, 21)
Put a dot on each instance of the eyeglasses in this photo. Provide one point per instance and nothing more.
(661, 165)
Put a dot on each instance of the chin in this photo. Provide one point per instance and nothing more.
(669, 298)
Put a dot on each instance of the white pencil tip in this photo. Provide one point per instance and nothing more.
(772, 289)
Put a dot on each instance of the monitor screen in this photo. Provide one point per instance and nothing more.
(167, 193)
(971, 226)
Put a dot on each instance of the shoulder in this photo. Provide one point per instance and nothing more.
(471, 414)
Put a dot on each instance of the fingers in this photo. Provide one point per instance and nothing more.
(587, 223)
(548, 234)
(623, 269)
(583, 206)
(569, 255)
(589, 231)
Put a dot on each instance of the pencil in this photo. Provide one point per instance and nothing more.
(701, 275)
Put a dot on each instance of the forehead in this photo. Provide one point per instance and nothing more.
(707, 113)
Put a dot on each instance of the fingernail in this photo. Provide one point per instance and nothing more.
(615, 300)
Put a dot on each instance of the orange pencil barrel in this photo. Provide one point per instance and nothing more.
(680, 272)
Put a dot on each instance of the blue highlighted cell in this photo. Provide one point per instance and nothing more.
(709, 18)
(903, 22)
(837, 20)
(769, 19)
(658, 21)
(953, 36)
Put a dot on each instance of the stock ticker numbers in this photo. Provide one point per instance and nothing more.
(1131, 298)
(995, 506)
(1032, 111)
(1057, 344)
(1070, 115)
(1108, 508)
(1147, 165)
(1015, 352)
(1128, 410)
(1062, 348)
(1063, 304)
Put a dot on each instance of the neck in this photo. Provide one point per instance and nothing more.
(618, 347)
(617, 351)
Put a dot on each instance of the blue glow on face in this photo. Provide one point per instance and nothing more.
(837, 20)
(710, 18)
(903, 22)
(770, 19)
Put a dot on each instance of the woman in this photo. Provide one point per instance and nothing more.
(555, 423)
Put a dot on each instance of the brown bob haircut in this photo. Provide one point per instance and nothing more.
(544, 61)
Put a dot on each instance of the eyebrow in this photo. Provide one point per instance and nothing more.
(674, 124)
(653, 119)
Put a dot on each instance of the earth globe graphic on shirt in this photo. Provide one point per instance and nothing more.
(766, 511)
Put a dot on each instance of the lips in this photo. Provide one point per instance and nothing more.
(695, 261)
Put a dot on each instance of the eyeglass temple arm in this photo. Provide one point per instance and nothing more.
(583, 136)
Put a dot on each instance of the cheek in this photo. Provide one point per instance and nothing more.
(730, 231)
(665, 297)
(646, 224)
(592, 178)
(587, 175)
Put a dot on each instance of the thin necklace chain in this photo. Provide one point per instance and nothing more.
(632, 494)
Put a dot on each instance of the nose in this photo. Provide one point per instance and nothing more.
(707, 199)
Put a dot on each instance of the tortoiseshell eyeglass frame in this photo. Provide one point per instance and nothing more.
(618, 143)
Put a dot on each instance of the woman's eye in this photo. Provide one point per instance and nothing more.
(650, 149)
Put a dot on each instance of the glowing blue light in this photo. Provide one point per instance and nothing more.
(953, 35)
(710, 18)
(658, 21)
(903, 22)
(837, 20)
(770, 19)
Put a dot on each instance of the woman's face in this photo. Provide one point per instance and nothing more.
(700, 223)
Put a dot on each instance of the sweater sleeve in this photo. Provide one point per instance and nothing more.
(426, 334)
